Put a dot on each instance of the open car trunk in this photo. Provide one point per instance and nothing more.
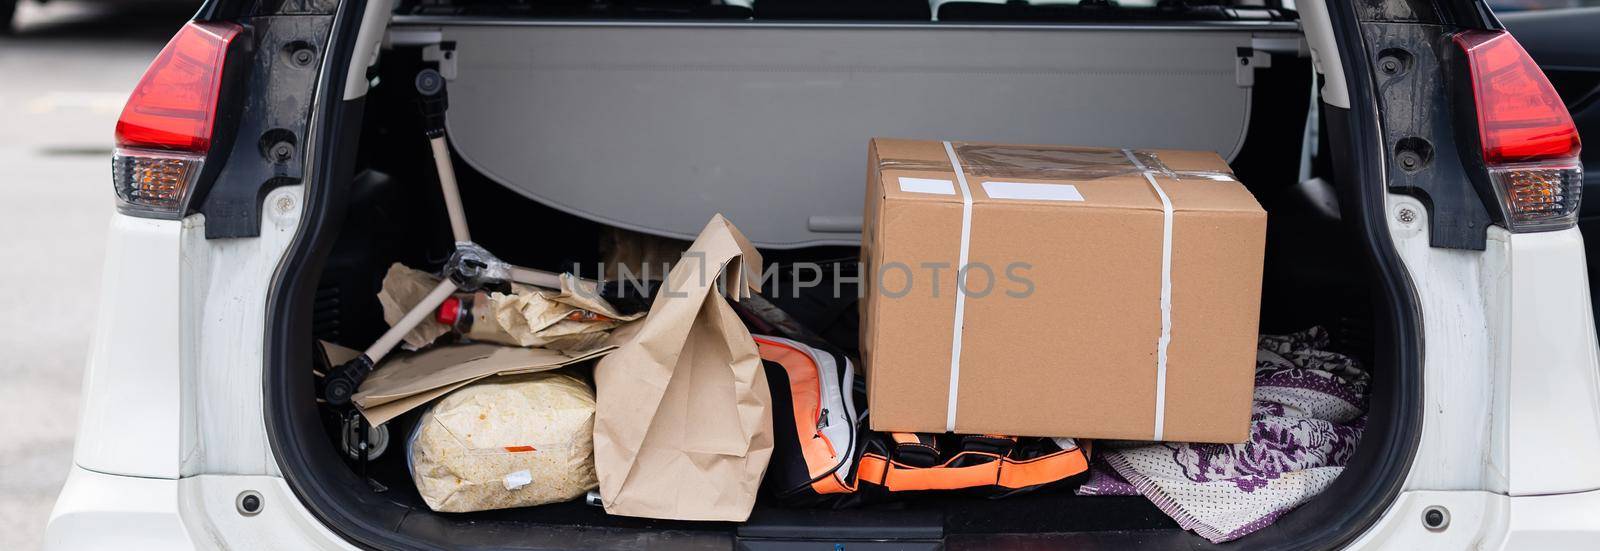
(562, 130)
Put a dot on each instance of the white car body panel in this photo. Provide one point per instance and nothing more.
(1462, 439)
(103, 511)
(223, 429)
(1488, 521)
(1566, 521)
(131, 391)
(1554, 384)
(98, 511)
(207, 504)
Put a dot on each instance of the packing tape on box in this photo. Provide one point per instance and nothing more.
(1166, 297)
(1042, 162)
(961, 297)
(1050, 163)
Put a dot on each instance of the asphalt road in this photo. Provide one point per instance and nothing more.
(63, 78)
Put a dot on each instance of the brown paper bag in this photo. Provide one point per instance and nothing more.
(683, 426)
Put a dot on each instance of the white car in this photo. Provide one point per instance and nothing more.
(1421, 175)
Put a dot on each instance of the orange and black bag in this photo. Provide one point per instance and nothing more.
(824, 455)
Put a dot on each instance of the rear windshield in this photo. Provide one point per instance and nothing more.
(984, 11)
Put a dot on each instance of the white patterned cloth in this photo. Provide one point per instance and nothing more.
(1310, 407)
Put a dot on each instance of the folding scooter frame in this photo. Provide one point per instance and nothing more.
(470, 267)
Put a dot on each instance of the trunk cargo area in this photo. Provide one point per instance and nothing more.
(563, 131)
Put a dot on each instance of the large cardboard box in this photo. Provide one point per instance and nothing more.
(1105, 293)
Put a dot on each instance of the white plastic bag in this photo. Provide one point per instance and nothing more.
(506, 442)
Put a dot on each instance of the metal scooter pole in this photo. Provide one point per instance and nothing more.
(447, 185)
(470, 265)
(343, 381)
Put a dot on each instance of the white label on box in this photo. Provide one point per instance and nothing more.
(1036, 192)
(927, 185)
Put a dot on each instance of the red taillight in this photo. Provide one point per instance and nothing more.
(175, 104)
(165, 129)
(1530, 146)
(1520, 117)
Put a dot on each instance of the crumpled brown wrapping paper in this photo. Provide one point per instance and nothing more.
(528, 316)
(408, 380)
(506, 442)
(683, 426)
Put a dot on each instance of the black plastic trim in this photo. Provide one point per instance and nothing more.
(237, 67)
(213, 10)
(1356, 133)
(274, 111)
(292, 432)
(1473, 14)
(1425, 105)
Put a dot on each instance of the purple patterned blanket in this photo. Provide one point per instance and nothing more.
(1310, 407)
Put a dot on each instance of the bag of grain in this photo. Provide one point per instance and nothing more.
(506, 442)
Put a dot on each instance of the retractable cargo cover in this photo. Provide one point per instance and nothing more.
(655, 127)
